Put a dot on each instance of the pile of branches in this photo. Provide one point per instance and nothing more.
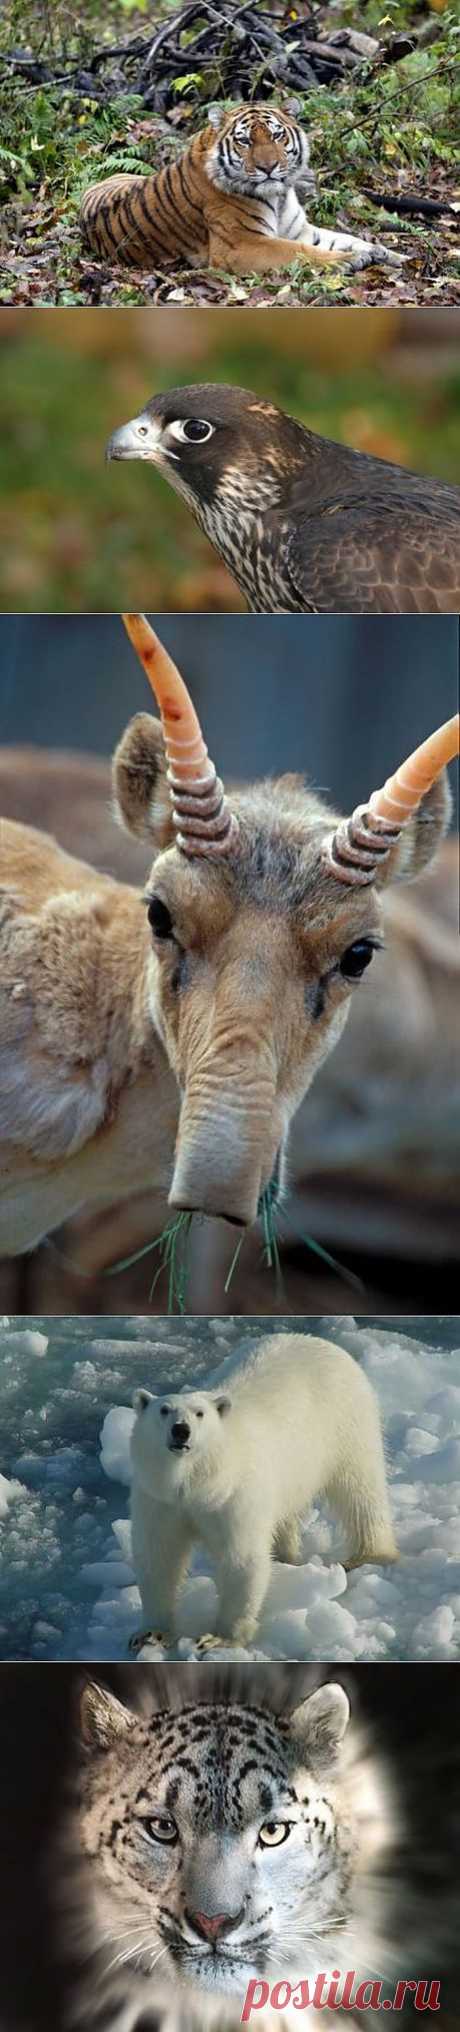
(222, 50)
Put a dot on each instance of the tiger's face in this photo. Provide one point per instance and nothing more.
(257, 150)
(223, 1844)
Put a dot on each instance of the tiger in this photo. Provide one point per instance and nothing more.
(226, 1835)
(230, 202)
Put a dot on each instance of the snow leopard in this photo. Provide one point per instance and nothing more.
(223, 1840)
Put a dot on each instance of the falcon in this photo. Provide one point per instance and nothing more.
(304, 525)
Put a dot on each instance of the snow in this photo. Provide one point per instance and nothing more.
(115, 1438)
(66, 1585)
(8, 1493)
(26, 1343)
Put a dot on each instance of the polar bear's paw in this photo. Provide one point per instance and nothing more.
(211, 1642)
(141, 1637)
(386, 1556)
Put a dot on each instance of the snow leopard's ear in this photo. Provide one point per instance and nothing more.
(316, 1728)
(103, 1720)
(141, 1399)
(223, 1405)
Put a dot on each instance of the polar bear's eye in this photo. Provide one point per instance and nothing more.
(164, 1411)
(200, 1414)
(273, 1833)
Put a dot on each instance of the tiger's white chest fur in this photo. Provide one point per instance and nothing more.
(291, 222)
(277, 213)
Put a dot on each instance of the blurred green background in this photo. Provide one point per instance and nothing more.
(77, 535)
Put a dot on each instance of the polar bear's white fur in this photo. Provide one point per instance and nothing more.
(235, 1471)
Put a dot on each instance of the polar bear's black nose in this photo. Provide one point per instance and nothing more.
(180, 1432)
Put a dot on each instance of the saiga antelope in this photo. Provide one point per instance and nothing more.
(170, 1045)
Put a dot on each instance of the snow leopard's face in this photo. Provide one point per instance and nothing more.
(219, 1845)
(175, 1429)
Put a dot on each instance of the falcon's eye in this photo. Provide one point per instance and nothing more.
(356, 958)
(159, 918)
(273, 1833)
(160, 1827)
(194, 430)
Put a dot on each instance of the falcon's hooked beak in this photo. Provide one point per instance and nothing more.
(139, 439)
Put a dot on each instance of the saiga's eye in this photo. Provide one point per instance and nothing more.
(159, 917)
(356, 958)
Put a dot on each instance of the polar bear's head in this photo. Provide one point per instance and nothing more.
(176, 1427)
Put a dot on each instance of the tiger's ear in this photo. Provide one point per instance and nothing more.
(216, 116)
(140, 788)
(316, 1727)
(292, 106)
(103, 1720)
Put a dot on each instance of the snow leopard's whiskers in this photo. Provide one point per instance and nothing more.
(157, 1957)
(127, 1954)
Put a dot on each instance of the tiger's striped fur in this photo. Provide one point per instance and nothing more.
(230, 201)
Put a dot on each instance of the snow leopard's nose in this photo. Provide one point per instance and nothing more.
(180, 1432)
(211, 1926)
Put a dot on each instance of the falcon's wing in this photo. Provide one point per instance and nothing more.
(369, 559)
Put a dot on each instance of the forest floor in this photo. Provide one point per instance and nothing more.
(383, 131)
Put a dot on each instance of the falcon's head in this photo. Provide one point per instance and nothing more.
(216, 444)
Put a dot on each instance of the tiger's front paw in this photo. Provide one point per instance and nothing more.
(375, 256)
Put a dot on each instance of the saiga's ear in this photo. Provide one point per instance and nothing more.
(421, 838)
(141, 793)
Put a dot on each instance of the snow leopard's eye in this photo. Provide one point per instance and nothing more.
(273, 1833)
(160, 1827)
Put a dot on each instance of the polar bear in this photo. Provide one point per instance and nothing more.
(235, 1470)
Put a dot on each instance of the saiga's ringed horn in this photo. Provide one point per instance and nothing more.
(354, 851)
(205, 825)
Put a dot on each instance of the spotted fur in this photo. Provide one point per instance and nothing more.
(177, 1820)
(230, 201)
